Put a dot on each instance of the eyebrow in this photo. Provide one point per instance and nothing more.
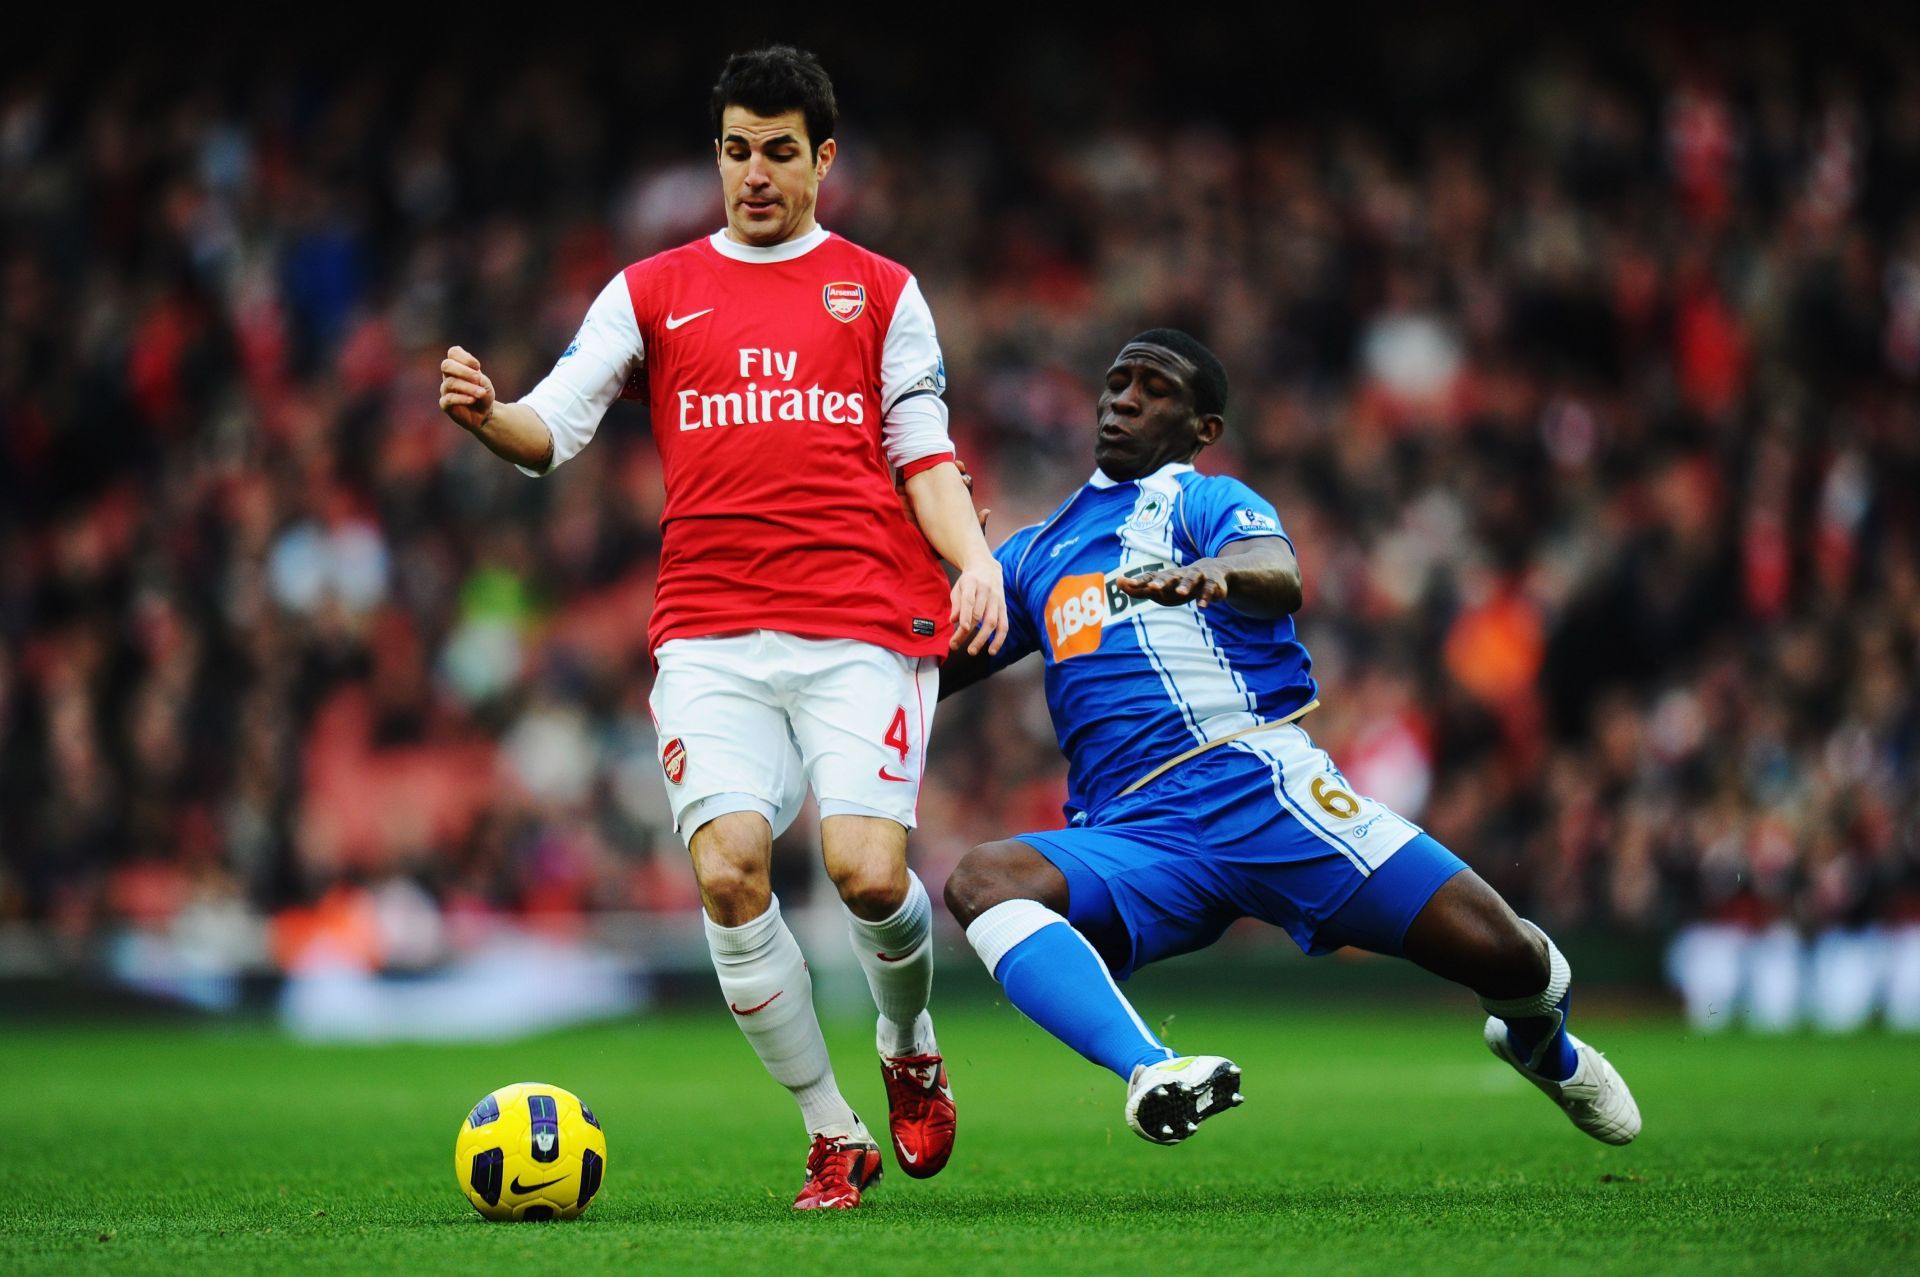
(785, 139)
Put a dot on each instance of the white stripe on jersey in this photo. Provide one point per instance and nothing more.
(1212, 697)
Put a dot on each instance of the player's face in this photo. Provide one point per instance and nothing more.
(1147, 416)
(770, 174)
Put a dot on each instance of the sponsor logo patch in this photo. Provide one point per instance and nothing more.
(923, 627)
(844, 301)
(1254, 521)
(1081, 605)
(673, 760)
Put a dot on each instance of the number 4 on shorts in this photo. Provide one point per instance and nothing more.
(897, 733)
(896, 739)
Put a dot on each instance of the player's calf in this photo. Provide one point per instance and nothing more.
(1466, 933)
(896, 952)
(1052, 974)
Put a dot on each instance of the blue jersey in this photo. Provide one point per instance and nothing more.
(1132, 684)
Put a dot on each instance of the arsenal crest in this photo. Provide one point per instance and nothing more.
(844, 301)
(673, 757)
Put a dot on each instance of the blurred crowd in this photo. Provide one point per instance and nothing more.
(1590, 397)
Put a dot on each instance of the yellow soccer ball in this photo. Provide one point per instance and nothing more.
(530, 1151)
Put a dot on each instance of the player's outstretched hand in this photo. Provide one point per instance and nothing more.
(466, 393)
(1203, 581)
(980, 608)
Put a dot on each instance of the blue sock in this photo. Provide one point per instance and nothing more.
(1057, 981)
(1556, 1061)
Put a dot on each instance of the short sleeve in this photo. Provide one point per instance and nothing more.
(590, 374)
(1023, 638)
(1216, 510)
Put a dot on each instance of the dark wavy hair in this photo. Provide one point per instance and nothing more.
(775, 80)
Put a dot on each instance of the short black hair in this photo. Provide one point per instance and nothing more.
(1210, 376)
(775, 80)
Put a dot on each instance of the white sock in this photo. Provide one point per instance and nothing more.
(897, 955)
(766, 985)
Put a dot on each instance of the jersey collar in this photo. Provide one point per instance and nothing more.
(785, 251)
(1100, 479)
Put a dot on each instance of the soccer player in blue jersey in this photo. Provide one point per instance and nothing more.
(1161, 600)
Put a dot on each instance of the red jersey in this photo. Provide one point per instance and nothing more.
(785, 385)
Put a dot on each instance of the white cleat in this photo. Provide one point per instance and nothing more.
(1595, 1098)
(1167, 1102)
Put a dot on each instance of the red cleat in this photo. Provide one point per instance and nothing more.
(838, 1167)
(919, 1111)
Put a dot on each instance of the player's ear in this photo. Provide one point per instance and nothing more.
(823, 158)
(1207, 429)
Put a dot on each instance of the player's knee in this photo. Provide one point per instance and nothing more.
(730, 859)
(734, 895)
(1515, 957)
(979, 882)
(872, 889)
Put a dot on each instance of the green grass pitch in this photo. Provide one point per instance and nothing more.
(1373, 1140)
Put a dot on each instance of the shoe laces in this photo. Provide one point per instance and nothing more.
(825, 1165)
(923, 1071)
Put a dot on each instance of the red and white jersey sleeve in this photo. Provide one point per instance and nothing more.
(913, 376)
(591, 373)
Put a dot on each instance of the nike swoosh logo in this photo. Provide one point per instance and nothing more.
(909, 1158)
(518, 1187)
(884, 958)
(751, 1010)
(674, 322)
(904, 780)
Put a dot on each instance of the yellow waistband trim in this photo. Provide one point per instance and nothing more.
(1198, 750)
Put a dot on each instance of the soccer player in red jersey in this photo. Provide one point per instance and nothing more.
(800, 613)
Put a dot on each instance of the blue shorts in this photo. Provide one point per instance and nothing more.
(1271, 831)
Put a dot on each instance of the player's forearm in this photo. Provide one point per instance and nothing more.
(944, 510)
(515, 432)
(1263, 583)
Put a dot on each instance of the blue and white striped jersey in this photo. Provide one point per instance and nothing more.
(1132, 684)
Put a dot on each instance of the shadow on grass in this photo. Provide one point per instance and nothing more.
(1327, 1206)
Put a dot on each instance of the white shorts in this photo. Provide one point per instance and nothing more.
(748, 721)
